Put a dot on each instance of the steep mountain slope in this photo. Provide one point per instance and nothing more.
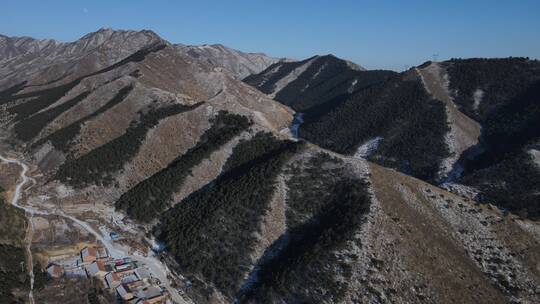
(59, 61)
(15, 46)
(175, 155)
(503, 96)
(492, 106)
(238, 63)
(464, 131)
(383, 115)
(308, 83)
(467, 121)
(92, 132)
(101, 128)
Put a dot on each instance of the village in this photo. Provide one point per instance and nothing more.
(131, 281)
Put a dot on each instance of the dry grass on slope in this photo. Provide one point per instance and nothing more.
(464, 131)
(449, 249)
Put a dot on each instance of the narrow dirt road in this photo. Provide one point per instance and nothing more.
(157, 268)
(15, 203)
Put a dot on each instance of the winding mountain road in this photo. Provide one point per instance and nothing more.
(15, 202)
(157, 268)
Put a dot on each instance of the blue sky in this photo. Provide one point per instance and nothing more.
(375, 34)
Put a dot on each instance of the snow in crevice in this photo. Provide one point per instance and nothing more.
(315, 75)
(297, 121)
(269, 74)
(368, 147)
(461, 190)
(536, 156)
(320, 70)
(353, 85)
(477, 96)
(464, 132)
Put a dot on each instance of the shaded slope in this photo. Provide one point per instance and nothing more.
(400, 111)
(61, 139)
(325, 208)
(464, 132)
(97, 166)
(345, 107)
(149, 198)
(222, 219)
(503, 96)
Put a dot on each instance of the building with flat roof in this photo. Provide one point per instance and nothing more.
(98, 268)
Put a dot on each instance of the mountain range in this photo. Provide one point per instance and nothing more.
(273, 180)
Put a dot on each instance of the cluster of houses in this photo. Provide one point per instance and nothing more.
(132, 283)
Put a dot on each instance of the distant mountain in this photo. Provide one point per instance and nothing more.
(14, 46)
(53, 61)
(170, 146)
(238, 63)
(308, 83)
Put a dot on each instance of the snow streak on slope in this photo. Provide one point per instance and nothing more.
(464, 132)
(536, 156)
(292, 76)
(367, 148)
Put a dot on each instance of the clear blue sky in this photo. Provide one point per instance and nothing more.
(375, 34)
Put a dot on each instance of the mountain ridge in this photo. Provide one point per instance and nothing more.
(201, 173)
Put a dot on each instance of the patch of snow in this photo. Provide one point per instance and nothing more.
(315, 75)
(536, 156)
(320, 70)
(353, 84)
(297, 121)
(156, 245)
(529, 226)
(477, 96)
(459, 189)
(62, 191)
(475, 228)
(270, 73)
(368, 147)
(464, 132)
